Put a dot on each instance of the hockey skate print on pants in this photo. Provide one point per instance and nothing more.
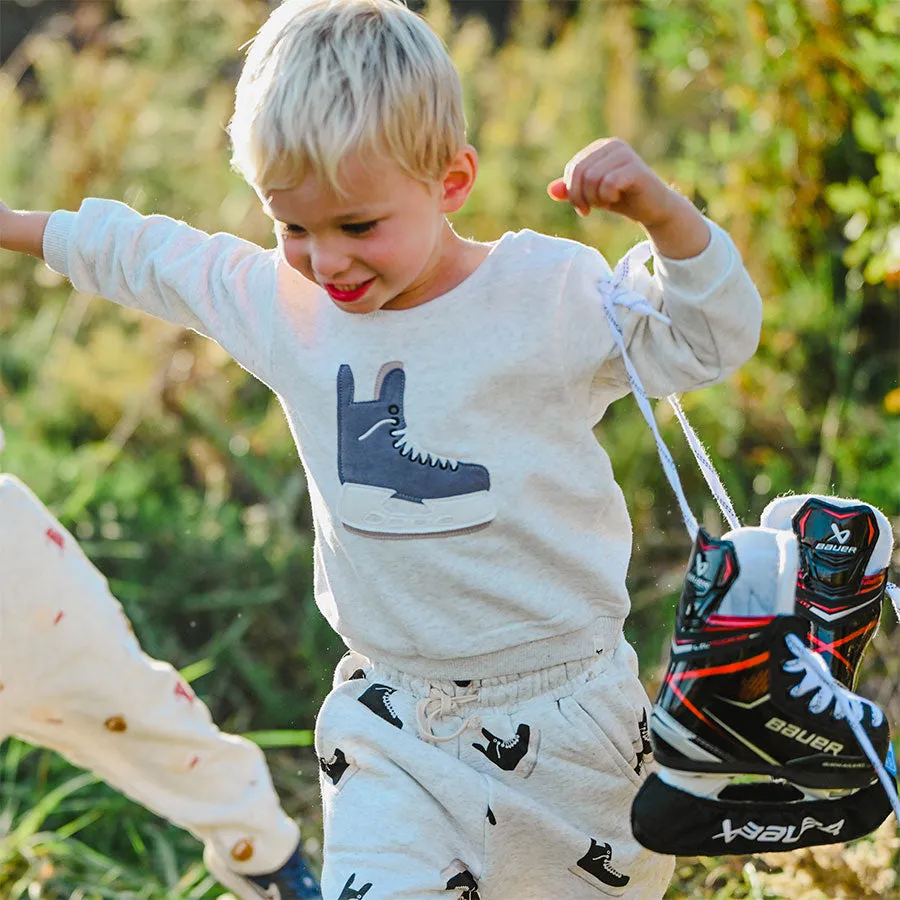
(391, 486)
(845, 550)
(754, 751)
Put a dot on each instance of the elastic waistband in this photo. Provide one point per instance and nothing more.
(503, 692)
(600, 636)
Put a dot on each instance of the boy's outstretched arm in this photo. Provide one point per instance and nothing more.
(216, 284)
(22, 231)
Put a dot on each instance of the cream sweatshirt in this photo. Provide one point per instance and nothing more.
(467, 521)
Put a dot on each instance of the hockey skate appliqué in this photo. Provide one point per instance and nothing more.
(646, 748)
(776, 834)
(378, 699)
(392, 485)
(353, 893)
(459, 878)
(596, 869)
(335, 767)
(518, 754)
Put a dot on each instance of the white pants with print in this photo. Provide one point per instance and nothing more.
(74, 679)
(528, 797)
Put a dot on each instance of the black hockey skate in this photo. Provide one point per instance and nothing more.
(754, 752)
(845, 550)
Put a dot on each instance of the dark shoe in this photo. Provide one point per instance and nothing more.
(293, 881)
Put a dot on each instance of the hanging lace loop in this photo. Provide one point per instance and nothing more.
(439, 705)
(707, 469)
(619, 289)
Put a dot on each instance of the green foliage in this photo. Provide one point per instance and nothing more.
(175, 468)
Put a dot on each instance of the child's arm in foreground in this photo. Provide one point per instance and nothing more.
(218, 285)
(699, 280)
(22, 231)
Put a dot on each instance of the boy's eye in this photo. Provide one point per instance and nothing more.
(293, 230)
(358, 227)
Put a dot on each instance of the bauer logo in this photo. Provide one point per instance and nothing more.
(801, 735)
(776, 834)
(842, 536)
(696, 577)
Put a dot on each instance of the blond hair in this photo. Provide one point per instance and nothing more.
(327, 78)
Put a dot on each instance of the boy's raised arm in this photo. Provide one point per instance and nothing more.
(22, 230)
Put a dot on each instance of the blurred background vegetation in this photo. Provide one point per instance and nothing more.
(780, 118)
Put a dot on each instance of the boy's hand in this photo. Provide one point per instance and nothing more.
(609, 174)
(22, 231)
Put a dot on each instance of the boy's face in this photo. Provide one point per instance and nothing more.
(385, 244)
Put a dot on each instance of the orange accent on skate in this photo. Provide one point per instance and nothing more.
(831, 646)
(182, 691)
(193, 762)
(59, 617)
(754, 686)
(689, 705)
(56, 537)
(116, 724)
(875, 580)
(724, 670)
(242, 850)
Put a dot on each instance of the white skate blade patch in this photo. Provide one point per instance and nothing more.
(377, 511)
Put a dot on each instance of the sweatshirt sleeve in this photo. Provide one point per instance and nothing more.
(715, 312)
(218, 285)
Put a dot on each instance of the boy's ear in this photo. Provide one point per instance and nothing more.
(459, 179)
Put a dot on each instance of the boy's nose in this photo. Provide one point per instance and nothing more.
(328, 262)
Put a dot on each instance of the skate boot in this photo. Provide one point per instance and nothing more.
(845, 549)
(391, 486)
(754, 753)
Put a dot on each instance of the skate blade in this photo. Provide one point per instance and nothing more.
(742, 787)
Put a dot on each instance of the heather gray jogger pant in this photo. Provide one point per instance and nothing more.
(528, 796)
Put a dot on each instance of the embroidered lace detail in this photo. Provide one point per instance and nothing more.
(410, 447)
(389, 704)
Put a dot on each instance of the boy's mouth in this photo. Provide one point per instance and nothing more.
(347, 293)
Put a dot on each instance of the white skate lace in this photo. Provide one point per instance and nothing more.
(812, 666)
(618, 289)
(438, 705)
(410, 447)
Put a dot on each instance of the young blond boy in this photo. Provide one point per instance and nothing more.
(487, 731)
(74, 679)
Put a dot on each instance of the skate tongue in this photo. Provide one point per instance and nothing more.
(837, 528)
(767, 573)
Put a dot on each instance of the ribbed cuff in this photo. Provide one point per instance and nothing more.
(56, 240)
(697, 276)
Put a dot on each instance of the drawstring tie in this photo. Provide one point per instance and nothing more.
(439, 705)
